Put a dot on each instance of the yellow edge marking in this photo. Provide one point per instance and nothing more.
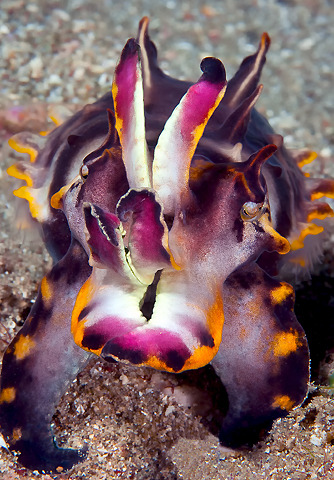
(21, 148)
(282, 245)
(13, 171)
(45, 133)
(56, 120)
(46, 289)
(118, 119)
(281, 293)
(283, 401)
(84, 296)
(241, 176)
(309, 159)
(317, 195)
(171, 258)
(202, 355)
(196, 171)
(56, 199)
(320, 215)
(25, 193)
(311, 229)
(23, 347)
(285, 343)
(8, 395)
(215, 320)
(198, 132)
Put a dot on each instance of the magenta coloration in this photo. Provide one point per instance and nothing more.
(171, 210)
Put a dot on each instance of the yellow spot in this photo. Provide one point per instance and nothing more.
(311, 229)
(13, 171)
(285, 343)
(8, 395)
(23, 347)
(46, 289)
(44, 133)
(283, 401)
(23, 148)
(281, 293)
(17, 434)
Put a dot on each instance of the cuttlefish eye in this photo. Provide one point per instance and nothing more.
(84, 172)
(251, 211)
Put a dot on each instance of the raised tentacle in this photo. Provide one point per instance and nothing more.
(128, 97)
(182, 132)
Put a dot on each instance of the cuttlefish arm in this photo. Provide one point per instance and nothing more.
(263, 359)
(40, 364)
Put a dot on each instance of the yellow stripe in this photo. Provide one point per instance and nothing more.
(13, 171)
(308, 159)
(25, 193)
(23, 148)
(311, 229)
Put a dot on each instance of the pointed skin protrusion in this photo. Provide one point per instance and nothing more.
(161, 92)
(263, 359)
(128, 97)
(178, 141)
(235, 127)
(246, 79)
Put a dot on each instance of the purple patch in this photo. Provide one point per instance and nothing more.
(125, 79)
(109, 328)
(140, 215)
(102, 239)
(141, 344)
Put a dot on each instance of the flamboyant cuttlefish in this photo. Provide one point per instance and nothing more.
(168, 208)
